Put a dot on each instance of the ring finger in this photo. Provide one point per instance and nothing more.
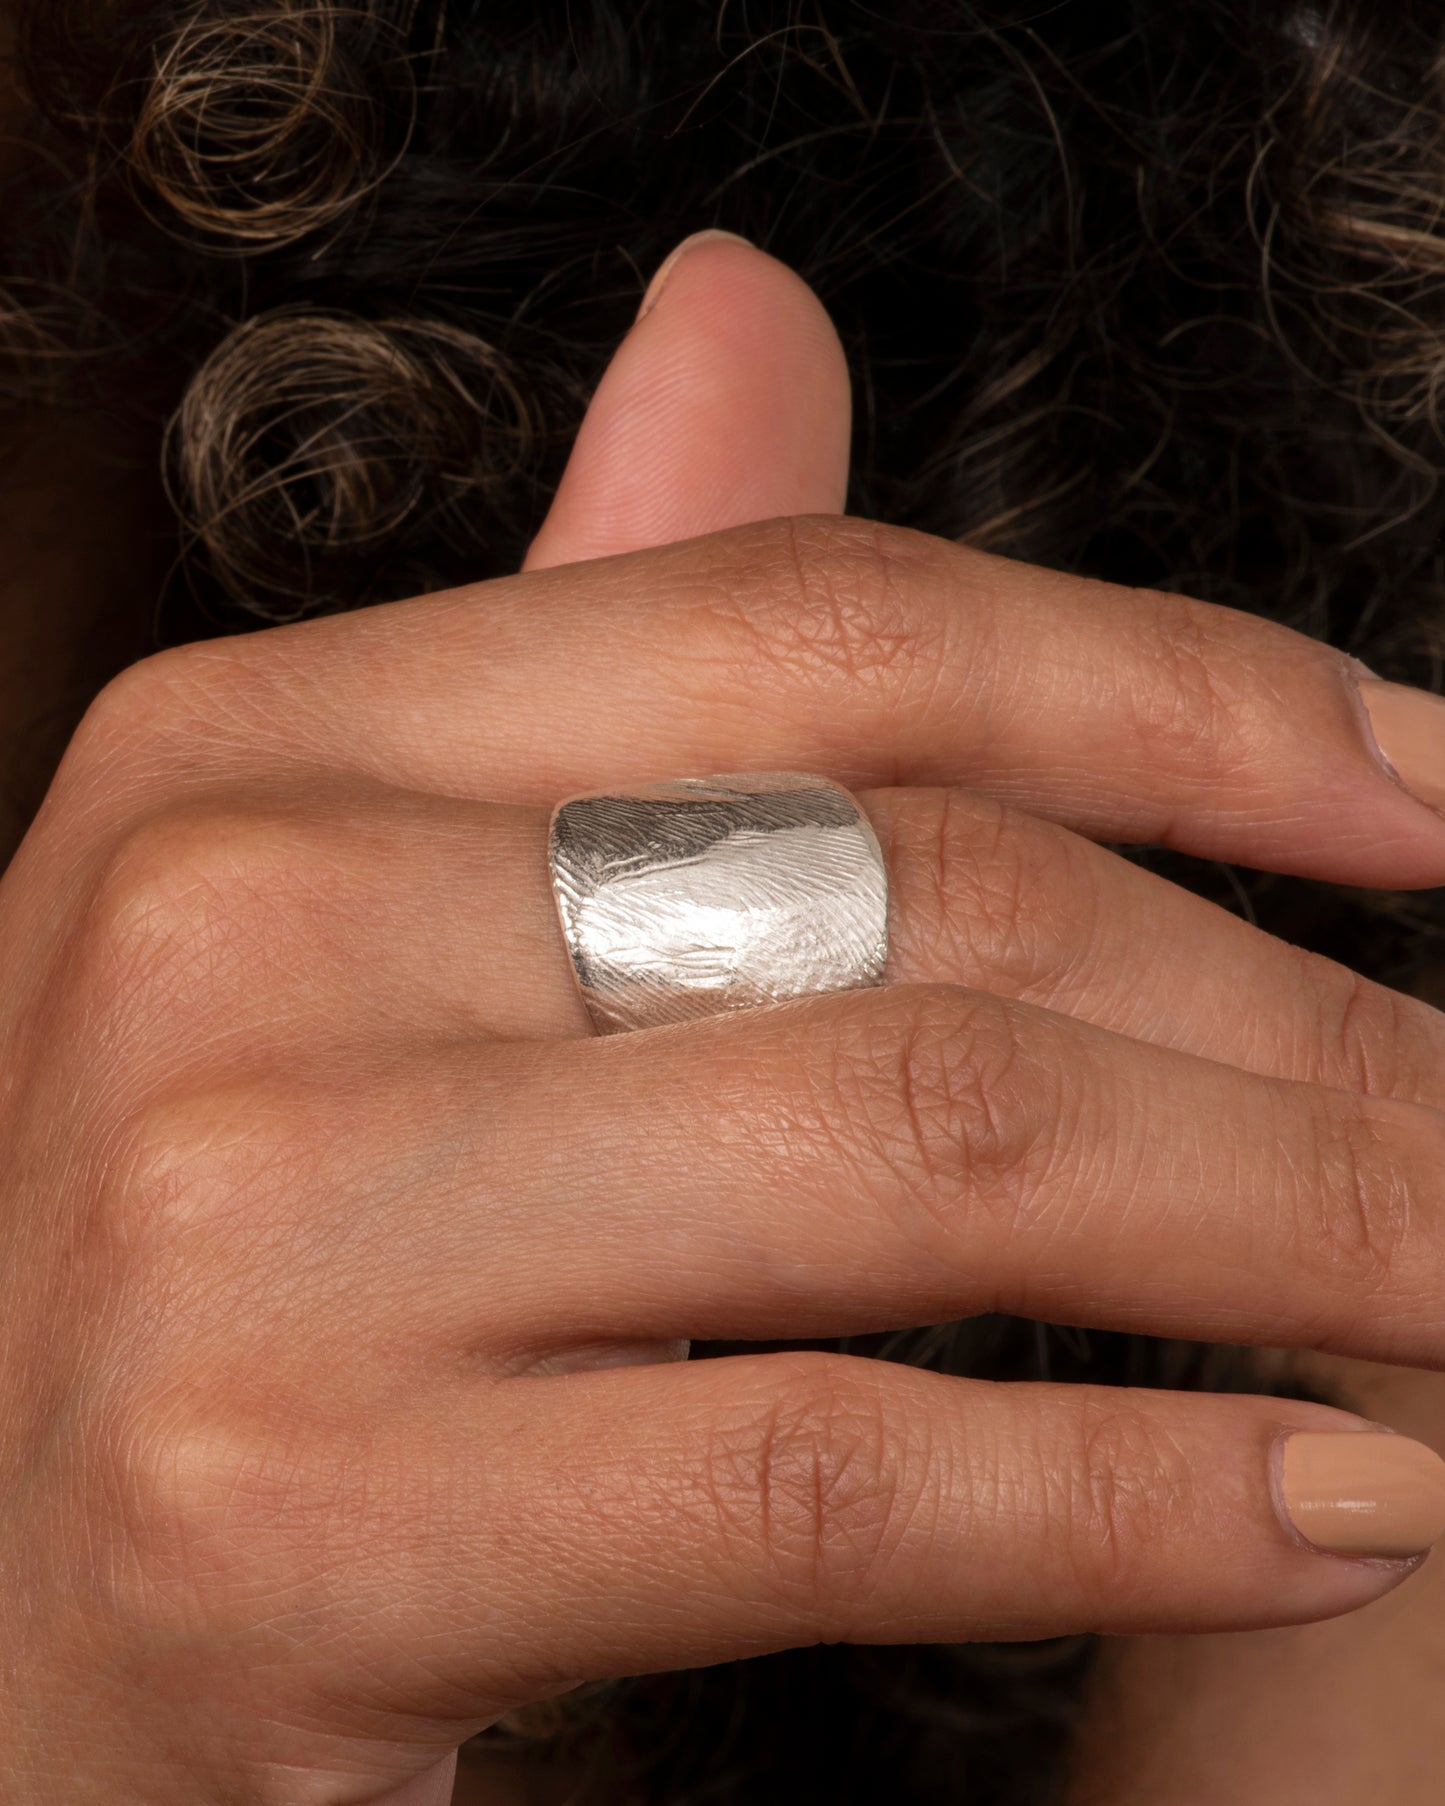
(434, 914)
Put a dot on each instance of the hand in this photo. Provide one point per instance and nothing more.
(346, 1276)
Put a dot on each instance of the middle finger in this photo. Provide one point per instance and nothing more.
(871, 1161)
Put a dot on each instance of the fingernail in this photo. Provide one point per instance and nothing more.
(1409, 730)
(1365, 1493)
(669, 263)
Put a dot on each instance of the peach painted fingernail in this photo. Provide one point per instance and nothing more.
(1365, 1493)
(1409, 729)
(670, 262)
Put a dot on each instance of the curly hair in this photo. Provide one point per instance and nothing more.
(1147, 293)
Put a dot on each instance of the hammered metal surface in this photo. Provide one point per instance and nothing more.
(685, 898)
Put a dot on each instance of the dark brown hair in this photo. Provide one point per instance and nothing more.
(1147, 292)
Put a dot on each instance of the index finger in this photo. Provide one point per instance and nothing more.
(874, 655)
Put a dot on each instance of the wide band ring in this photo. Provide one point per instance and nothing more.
(693, 896)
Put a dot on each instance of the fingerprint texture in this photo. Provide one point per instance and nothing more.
(695, 895)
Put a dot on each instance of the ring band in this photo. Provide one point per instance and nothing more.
(693, 896)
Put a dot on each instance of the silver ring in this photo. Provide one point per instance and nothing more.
(693, 896)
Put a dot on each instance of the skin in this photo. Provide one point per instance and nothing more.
(1333, 1712)
(250, 810)
(1336, 1712)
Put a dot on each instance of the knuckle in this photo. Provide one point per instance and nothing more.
(830, 598)
(983, 891)
(1374, 1040)
(200, 1512)
(1183, 721)
(937, 1089)
(1110, 1492)
(148, 703)
(155, 1470)
(181, 890)
(1356, 1196)
(816, 1485)
(192, 1180)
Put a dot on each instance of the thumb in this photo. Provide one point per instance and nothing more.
(727, 402)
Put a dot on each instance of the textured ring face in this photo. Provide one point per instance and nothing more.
(697, 895)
